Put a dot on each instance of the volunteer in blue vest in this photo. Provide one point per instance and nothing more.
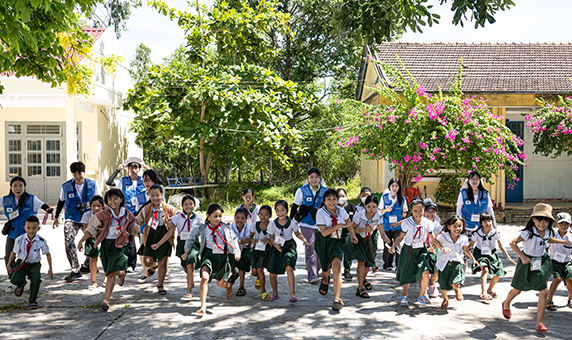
(393, 206)
(18, 206)
(474, 200)
(131, 186)
(307, 201)
(75, 196)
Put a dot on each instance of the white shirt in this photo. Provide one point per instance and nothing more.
(490, 209)
(159, 215)
(79, 190)
(534, 246)
(180, 218)
(299, 201)
(490, 241)
(252, 216)
(86, 216)
(241, 235)
(361, 220)
(36, 206)
(263, 234)
(556, 248)
(38, 244)
(212, 235)
(113, 230)
(456, 253)
(409, 227)
(436, 228)
(285, 233)
(323, 218)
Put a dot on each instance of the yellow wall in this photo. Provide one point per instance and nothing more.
(111, 148)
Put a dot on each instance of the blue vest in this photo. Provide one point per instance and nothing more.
(397, 211)
(142, 198)
(26, 210)
(130, 192)
(73, 199)
(308, 198)
(470, 208)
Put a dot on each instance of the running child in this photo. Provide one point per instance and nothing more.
(431, 214)
(251, 208)
(259, 256)
(561, 260)
(96, 205)
(242, 232)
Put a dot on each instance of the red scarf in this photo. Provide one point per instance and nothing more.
(334, 222)
(28, 248)
(215, 229)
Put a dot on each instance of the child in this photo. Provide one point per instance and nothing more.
(485, 252)
(111, 228)
(251, 208)
(431, 214)
(561, 260)
(27, 252)
(217, 241)
(348, 254)
(393, 207)
(534, 266)
(452, 244)
(242, 232)
(185, 222)
(414, 266)
(96, 205)
(283, 256)
(364, 224)
(259, 256)
(331, 218)
(363, 194)
(155, 249)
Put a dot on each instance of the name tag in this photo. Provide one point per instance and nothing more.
(417, 243)
(560, 257)
(114, 231)
(475, 217)
(279, 240)
(217, 250)
(309, 199)
(183, 235)
(392, 219)
(337, 234)
(14, 214)
(153, 223)
(536, 264)
(485, 250)
(261, 246)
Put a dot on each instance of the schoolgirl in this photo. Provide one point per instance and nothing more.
(348, 254)
(217, 241)
(283, 255)
(242, 232)
(431, 214)
(157, 243)
(485, 253)
(251, 208)
(561, 260)
(111, 227)
(393, 207)
(361, 229)
(414, 266)
(330, 246)
(91, 252)
(534, 266)
(259, 256)
(184, 222)
(452, 243)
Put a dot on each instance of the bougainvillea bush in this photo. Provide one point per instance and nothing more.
(421, 133)
(552, 128)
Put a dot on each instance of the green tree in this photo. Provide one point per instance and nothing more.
(552, 128)
(113, 13)
(141, 62)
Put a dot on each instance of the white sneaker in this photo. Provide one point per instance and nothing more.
(10, 288)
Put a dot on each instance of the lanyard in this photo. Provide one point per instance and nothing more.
(84, 191)
(215, 229)
(154, 218)
(28, 248)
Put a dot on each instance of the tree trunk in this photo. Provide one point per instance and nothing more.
(239, 179)
(227, 171)
(261, 176)
(270, 170)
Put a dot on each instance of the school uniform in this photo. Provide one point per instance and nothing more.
(333, 245)
(259, 256)
(450, 264)
(154, 221)
(364, 250)
(112, 232)
(533, 276)
(486, 253)
(284, 236)
(28, 263)
(389, 218)
(348, 254)
(252, 213)
(244, 234)
(216, 243)
(432, 257)
(413, 260)
(185, 224)
(89, 249)
(561, 257)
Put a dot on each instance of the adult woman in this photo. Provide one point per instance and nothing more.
(307, 200)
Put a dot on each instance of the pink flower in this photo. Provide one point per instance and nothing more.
(420, 91)
(418, 178)
(423, 145)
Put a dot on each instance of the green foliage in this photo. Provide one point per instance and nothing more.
(448, 188)
(552, 128)
(113, 13)
(139, 66)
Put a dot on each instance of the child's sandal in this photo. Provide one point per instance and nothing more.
(492, 294)
(367, 285)
(486, 297)
(105, 305)
(273, 297)
(265, 296)
(19, 291)
(92, 286)
(232, 279)
(241, 291)
(445, 304)
(362, 293)
(403, 301)
(338, 304)
(161, 290)
(33, 305)
(323, 290)
(257, 284)
(187, 296)
(550, 305)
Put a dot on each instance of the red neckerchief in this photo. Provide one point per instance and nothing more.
(119, 223)
(187, 222)
(155, 217)
(28, 248)
(334, 222)
(215, 229)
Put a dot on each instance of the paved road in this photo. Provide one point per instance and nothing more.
(69, 310)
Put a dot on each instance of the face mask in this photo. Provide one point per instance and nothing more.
(342, 200)
(363, 199)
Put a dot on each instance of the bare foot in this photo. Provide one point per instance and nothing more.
(458, 295)
(229, 293)
(201, 311)
(445, 304)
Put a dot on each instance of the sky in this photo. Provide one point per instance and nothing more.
(527, 21)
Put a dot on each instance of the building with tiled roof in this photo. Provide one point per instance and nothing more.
(510, 76)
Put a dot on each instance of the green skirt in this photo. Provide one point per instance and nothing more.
(90, 250)
(524, 279)
(113, 258)
(218, 264)
(432, 259)
(278, 260)
(374, 241)
(453, 273)
(258, 258)
(328, 249)
(192, 257)
(364, 250)
(562, 270)
(492, 261)
(153, 237)
(244, 263)
(412, 264)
